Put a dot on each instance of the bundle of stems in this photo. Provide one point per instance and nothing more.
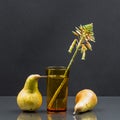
(84, 34)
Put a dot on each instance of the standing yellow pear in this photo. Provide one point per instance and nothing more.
(30, 98)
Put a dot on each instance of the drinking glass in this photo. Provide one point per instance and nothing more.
(55, 76)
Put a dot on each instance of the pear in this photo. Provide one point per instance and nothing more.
(30, 98)
(85, 100)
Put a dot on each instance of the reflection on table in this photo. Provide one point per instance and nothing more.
(85, 116)
(57, 116)
(29, 116)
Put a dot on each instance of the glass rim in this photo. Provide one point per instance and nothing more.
(56, 67)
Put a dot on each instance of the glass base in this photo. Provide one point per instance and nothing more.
(58, 110)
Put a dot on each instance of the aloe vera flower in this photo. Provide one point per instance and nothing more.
(86, 33)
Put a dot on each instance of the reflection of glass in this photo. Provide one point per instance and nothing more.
(55, 77)
(57, 116)
(29, 116)
(86, 116)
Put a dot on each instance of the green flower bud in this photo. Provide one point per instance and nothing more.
(88, 45)
(72, 45)
(83, 55)
(76, 34)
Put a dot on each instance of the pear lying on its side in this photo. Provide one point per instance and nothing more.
(85, 100)
(30, 98)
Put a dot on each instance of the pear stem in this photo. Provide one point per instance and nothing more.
(68, 68)
(43, 76)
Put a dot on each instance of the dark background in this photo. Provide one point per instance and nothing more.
(35, 34)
